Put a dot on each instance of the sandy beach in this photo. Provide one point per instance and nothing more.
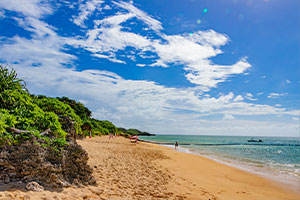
(125, 170)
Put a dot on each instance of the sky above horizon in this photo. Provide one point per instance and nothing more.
(227, 67)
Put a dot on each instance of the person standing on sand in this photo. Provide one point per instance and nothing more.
(176, 145)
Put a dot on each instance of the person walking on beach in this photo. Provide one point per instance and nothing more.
(176, 145)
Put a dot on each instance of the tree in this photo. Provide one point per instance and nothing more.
(80, 110)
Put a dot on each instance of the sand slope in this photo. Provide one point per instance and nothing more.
(145, 171)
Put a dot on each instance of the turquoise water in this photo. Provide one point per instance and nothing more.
(278, 157)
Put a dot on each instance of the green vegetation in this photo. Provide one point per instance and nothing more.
(62, 110)
(130, 132)
(51, 120)
(80, 110)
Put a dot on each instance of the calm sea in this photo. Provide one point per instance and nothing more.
(275, 157)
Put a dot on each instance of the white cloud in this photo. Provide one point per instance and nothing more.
(112, 59)
(108, 38)
(107, 7)
(238, 98)
(288, 81)
(86, 10)
(250, 96)
(84, 102)
(209, 75)
(208, 38)
(140, 65)
(276, 95)
(152, 23)
(39, 28)
(228, 117)
(30, 8)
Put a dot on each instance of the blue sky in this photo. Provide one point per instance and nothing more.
(168, 67)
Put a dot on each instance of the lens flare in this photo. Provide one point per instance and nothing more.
(205, 10)
(199, 21)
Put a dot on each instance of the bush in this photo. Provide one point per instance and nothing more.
(61, 109)
(80, 110)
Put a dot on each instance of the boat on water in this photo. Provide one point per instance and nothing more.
(252, 140)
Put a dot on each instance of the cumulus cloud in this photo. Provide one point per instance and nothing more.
(238, 98)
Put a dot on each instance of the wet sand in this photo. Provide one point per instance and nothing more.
(125, 170)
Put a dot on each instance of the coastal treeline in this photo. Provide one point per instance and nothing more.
(40, 129)
(134, 132)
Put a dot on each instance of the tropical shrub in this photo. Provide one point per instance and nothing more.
(61, 109)
(80, 110)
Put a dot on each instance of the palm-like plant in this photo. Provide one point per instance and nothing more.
(9, 83)
(9, 80)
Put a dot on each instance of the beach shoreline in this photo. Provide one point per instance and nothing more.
(267, 165)
(125, 170)
(291, 183)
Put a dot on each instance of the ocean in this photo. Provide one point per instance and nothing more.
(277, 158)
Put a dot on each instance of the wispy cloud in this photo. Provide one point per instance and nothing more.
(276, 95)
(85, 10)
(29, 8)
(250, 96)
(151, 22)
(260, 93)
